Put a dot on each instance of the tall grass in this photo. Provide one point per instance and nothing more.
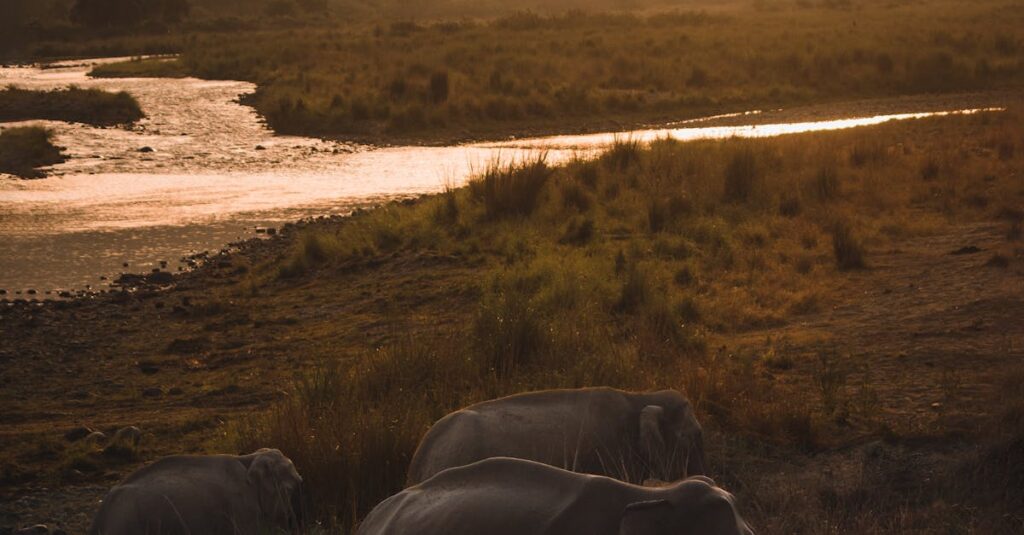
(511, 190)
(625, 307)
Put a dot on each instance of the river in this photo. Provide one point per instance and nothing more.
(215, 174)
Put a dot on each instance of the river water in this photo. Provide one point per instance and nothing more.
(216, 173)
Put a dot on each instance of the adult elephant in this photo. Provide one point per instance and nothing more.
(625, 435)
(214, 494)
(503, 496)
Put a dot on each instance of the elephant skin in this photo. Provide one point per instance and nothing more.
(198, 495)
(504, 496)
(603, 431)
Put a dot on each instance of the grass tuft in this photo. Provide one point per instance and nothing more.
(511, 190)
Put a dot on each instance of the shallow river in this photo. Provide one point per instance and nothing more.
(215, 173)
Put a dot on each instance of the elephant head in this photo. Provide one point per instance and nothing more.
(278, 486)
(672, 439)
(693, 507)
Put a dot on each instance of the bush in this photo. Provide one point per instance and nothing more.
(512, 190)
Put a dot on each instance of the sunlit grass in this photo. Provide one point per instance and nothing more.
(629, 306)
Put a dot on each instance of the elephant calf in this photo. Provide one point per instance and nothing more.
(603, 431)
(503, 496)
(216, 494)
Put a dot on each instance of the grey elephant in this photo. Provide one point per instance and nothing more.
(504, 496)
(212, 494)
(625, 435)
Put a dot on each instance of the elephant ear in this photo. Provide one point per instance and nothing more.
(651, 418)
(646, 518)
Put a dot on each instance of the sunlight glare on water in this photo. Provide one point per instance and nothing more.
(215, 172)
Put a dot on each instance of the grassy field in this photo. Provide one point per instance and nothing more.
(23, 149)
(857, 368)
(89, 106)
(632, 271)
(525, 73)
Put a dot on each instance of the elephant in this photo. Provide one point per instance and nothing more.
(505, 496)
(603, 431)
(205, 494)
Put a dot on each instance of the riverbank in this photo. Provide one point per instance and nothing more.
(90, 106)
(842, 308)
(25, 149)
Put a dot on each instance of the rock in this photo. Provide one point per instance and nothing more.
(163, 263)
(38, 529)
(146, 149)
(65, 294)
(31, 291)
(124, 264)
(260, 147)
(152, 393)
(76, 434)
(147, 368)
(271, 231)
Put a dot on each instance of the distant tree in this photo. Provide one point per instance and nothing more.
(107, 13)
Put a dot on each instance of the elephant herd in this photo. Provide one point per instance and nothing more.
(550, 462)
